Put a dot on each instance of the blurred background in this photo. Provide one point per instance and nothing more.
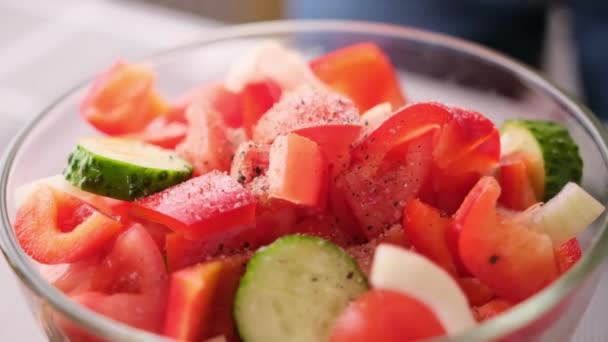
(48, 46)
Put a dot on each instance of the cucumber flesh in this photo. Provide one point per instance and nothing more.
(552, 156)
(567, 214)
(294, 289)
(399, 269)
(124, 169)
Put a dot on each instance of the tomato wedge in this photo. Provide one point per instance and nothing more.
(387, 316)
(122, 99)
(376, 192)
(201, 207)
(477, 293)
(54, 227)
(513, 260)
(568, 254)
(491, 309)
(190, 296)
(426, 228)
(405, 124)
(297, 171)
(130, 285)
(206, 145)
(363, 73)
(257, 98)
(517, 190)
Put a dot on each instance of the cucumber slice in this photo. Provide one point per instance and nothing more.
(124, 169)
(399, 269)
(294, 289)
(553, 157)
(567, 214)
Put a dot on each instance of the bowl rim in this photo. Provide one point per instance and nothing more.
(512, 321)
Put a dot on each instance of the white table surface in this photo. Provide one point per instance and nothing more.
(46, 46)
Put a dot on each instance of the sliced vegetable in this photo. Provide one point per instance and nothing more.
(566, 214)
(401, 270)
(257, 98)
(426, 228)
(54, 227)
(122, 99)
(517, 192)
(201, 207)
(477, 293)
(124, 169)
(206, 145)
(190, 296)
(551, 153)
(567, 254)
(130, 285)
(297, 172)
(374, 117)
(387, 316)
(250, 161)
(300, 285)
(114, 208)
(505, 254)
(363, 72)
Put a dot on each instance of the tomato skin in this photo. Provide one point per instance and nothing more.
(362, 72)
(162, 132)
(190, 296)
(54, 227)
(517, 191)
(206, 145)
(426, 228)
(404, 124)
(388, 316)
(214, 96)
(122, 99)
(257, 98)
(568, 254)
(513, 260)
(200, 207)
(297, 172)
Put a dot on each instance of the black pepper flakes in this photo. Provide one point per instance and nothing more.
(494, 259)
(350, 275)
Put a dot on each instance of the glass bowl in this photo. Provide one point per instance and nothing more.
(430, 66)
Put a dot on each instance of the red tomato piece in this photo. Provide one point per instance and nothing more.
(274, 219)
(465, 133)
(304, 110)
(517, 192)
(122, 99)
(513, 260)
(363, 73)
(54, 227)
(78, 276)
(468, 148)
(491, 309)
(189, 301)
(130, 285)
(376, 192)
(297, 172)
(206, 145)
(568, 254)
(201, 207)
(405, 124)
(387, 316)
(257, 98)
(477, 293)
(250, 161)
(426, 228)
